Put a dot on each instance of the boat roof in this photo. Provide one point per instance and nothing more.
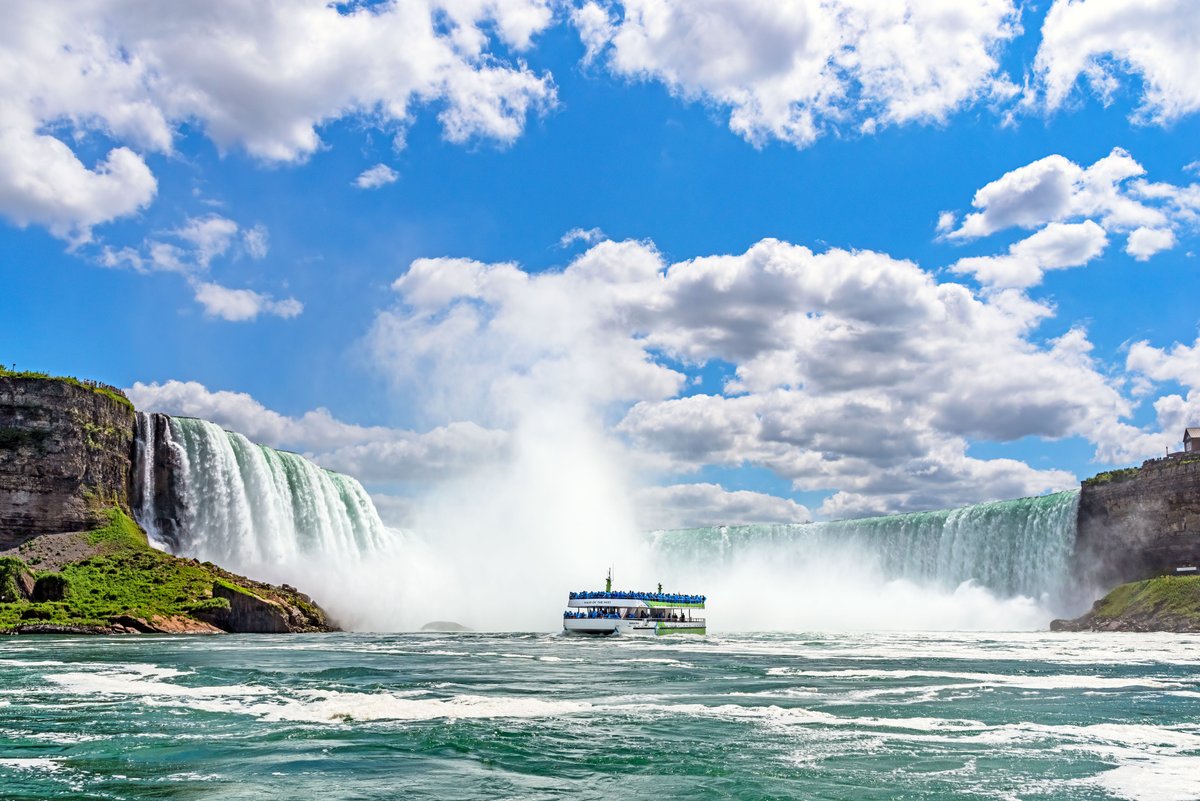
(632, 598)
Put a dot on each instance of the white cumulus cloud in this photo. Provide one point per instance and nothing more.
(375, 177)
(1054, 247)
(1107, 42)
(1145, 242)
(853, 372)
(1110, 196)
(261, 77)
(241, 305)
(788, 71)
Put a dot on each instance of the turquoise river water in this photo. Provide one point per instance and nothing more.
(539, 716)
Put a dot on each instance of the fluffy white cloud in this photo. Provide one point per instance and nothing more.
(208, 237)
(261, 77)
(1056, 246)
(1055, 188)
(1099, 40)
(689, 505)
(853, 371)
(369, 453)
(1145, 242)
(587, 236)
(42, 182)
(240, 305)
(375, 177)
(1150, 366)
(1109, 196)
(195, 245)
(788, 70)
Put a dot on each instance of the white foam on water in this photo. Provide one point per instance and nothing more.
(1111, 648)
(145, 683)
(345, 707)
(31, 763)
(796, 716)
(967, 679)
(1174, 778)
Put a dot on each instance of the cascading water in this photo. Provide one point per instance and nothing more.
(241, 505)
(1019, 549)
(209, 493)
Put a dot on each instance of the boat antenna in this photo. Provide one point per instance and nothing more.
(608, 581)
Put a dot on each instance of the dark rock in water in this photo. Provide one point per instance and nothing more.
(55, 628)
(445, 625)
(1166, 603)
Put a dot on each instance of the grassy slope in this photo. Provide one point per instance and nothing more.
(1166, 595)
(127, 577)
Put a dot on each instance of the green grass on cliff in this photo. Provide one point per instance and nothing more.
(127, 578)
(1112, 476)
(90, 386)
(1162, 597)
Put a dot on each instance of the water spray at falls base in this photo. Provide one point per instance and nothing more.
(498, 549)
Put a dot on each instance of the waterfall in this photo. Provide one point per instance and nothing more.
(145, 478)
(1013, 548)
(240, 504)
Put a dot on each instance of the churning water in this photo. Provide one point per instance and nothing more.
(872, 716)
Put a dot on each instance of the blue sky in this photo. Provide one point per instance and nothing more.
(592, 129)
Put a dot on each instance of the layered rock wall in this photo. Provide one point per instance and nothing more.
(65, 451)
(1140, 524)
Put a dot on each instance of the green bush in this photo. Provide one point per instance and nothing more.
(1112, 476)
(211, 605)
(11, 569)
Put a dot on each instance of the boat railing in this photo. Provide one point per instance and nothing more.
(659, 597)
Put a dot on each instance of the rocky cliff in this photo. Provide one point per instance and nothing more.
(72, 559)
(1137, 523)
(65, 450)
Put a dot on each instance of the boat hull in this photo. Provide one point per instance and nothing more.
(649, 628)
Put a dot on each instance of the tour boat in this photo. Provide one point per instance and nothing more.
(610, 611)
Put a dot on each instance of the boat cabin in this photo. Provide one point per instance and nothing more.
(612, 611)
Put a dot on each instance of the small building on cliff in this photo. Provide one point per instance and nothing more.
(1191, 440)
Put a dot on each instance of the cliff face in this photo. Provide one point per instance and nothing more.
(1139, 523)
(65, 451)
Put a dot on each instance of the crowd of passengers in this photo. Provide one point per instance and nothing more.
(665, 597)
(609, 613)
